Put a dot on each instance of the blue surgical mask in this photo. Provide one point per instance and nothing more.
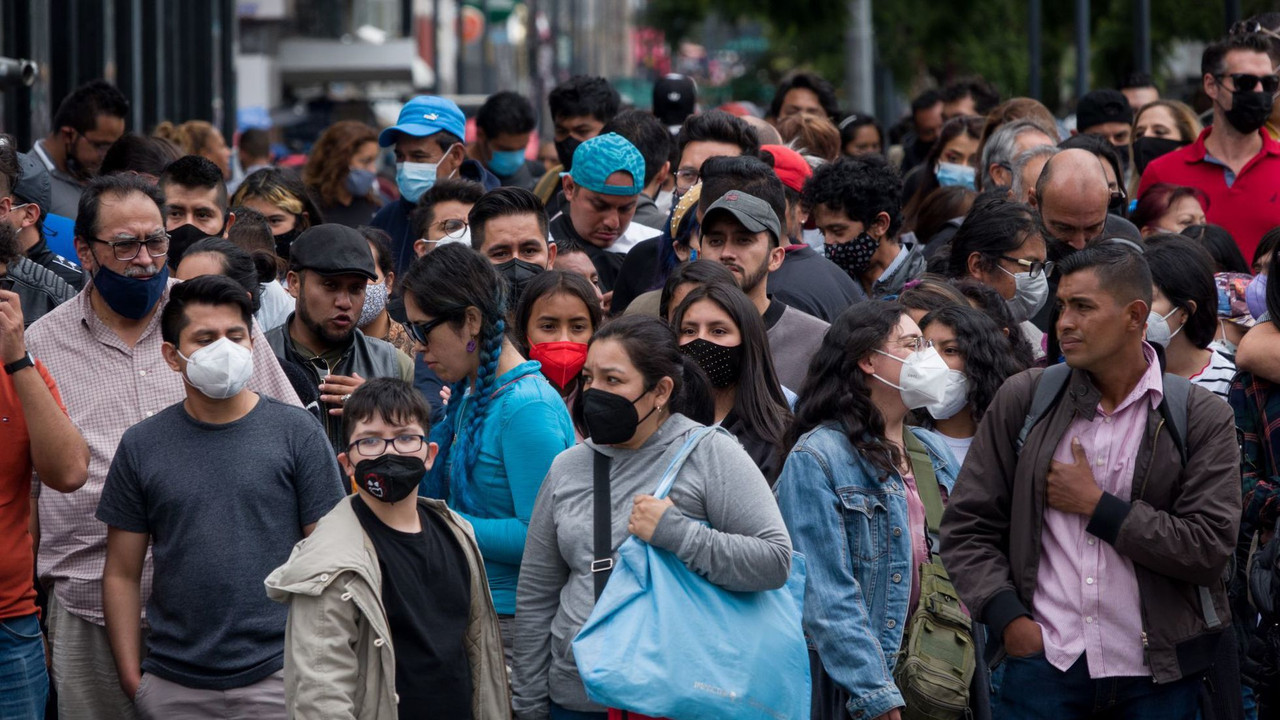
(951, 174)
(414, 179)
(127, 296)
(360, 181)
(506, 163)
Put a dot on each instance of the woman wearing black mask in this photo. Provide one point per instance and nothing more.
(721, 330)
(643, 398)
(283, 201)
(1159, 128)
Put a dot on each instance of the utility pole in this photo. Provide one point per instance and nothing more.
(1035, 48)
(859, 68)
(1142, 40)
(1082, 48)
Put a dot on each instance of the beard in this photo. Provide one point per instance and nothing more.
(752, 281)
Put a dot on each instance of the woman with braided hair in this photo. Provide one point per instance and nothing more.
(506, 423)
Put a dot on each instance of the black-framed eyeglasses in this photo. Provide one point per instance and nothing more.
(1034, 267)
(372, 446)
(1246, 82)
(127, 248)
(686, 178)
(421, 331)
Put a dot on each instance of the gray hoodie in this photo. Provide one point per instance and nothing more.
(746, 548)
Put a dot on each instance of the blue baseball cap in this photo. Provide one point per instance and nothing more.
(426, 115)
(601, 156)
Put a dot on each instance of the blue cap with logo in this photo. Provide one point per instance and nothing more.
(426, 115)
(601, 156)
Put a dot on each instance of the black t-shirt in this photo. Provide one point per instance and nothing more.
(636, 276)
(810, 282)
(359, 212)
(426, 592)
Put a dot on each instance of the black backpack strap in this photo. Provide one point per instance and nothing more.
(1052, 382)
(1177, 392)
(602, 523)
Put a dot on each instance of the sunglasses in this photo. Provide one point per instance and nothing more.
(1244, 82)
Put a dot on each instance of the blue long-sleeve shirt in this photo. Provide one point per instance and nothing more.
(526, 425)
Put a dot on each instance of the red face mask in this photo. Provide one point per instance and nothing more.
(561, 361)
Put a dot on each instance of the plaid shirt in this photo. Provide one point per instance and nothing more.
(1256, 403)
(108, 386)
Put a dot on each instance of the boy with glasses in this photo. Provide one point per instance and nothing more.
(390, 590)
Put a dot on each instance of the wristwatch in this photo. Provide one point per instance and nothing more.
(25, 361)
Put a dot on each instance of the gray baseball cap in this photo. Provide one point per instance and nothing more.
(755, 214)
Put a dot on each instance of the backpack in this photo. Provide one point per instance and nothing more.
(1173, 407)
(937, 660)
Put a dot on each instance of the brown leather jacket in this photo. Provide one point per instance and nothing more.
(1179, 526)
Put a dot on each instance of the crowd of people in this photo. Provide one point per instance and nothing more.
(353, 438)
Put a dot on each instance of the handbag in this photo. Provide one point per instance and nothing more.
(666, 642)
(937, 660)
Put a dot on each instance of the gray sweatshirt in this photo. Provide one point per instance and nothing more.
(746, 548)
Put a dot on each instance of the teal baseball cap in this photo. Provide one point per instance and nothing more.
(601, 156)
(426, 115)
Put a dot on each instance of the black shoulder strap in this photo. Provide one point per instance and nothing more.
(1177, 391)
(602, 524)
(1052, 382)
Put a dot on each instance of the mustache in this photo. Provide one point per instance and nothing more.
(135, 270)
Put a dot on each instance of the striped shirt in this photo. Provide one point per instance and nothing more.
(106, 387)
(1216, 375)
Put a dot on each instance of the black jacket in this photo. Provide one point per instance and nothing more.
(39, 289)
(366, 356)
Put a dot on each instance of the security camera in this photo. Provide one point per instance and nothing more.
(15, 72)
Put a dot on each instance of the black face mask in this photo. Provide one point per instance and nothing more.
(721, 363)
(565, 149)
(1146, 149)
(390, 478)
(181, 238)
(854, 257)
(517, 273)
(611, 418)
(1249, 111)
(284, 240)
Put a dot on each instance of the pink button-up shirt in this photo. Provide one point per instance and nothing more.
(1086, 598)
(107, 387)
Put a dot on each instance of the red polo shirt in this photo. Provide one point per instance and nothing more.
(1248, 208)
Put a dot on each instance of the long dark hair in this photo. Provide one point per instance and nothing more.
(987, 360)
(758, 398)
(651, 346)
(552, 282)
(970, 125)
(1183, 271)
(836, 390)
(251, 270)
(990, 301)
(698, 272)
(445, 283)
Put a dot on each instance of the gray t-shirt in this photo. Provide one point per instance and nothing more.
(224, 506)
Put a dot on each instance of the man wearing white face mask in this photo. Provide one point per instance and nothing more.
(225, 483)
(428, 141)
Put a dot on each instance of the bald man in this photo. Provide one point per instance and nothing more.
(1071, 195)
(767, 133)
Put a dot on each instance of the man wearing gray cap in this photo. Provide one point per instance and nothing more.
(24, 204)
(322, 351)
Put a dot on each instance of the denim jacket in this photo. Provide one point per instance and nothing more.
(854, 531)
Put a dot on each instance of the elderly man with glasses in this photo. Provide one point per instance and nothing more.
(103, 347)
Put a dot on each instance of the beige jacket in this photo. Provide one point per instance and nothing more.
(339, 661)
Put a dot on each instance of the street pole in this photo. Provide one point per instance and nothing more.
(1035, 49)
(860, 57)
(1082, 48)
(1142, 41)
(1233, 12)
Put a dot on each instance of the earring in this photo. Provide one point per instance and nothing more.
(471, 345)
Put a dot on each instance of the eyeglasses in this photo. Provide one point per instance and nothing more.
(1245, 82)
(1034, 267)
(686, 178)
(371, 446)
(421, 331)
(915, 344)
(1117, 201)
(128, 247)
(452, 227)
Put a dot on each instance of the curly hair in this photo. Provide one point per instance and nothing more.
(446, 283)
(992, 303)
(836, 390)
(861, 187)
(330, 159)
(985, 349)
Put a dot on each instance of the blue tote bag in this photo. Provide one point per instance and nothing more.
(666, 642)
